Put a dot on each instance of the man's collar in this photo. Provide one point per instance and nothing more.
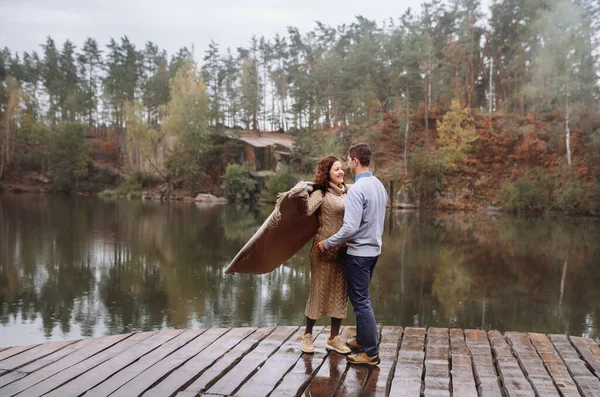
(363, 175)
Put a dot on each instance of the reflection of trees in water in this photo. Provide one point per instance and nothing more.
(239, 222)
(451, 284)
(133, 265)
(45, 265)
(508, 270)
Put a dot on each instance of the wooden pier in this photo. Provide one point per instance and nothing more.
(252, 362)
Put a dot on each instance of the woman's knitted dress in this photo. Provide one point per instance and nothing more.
(328, 287)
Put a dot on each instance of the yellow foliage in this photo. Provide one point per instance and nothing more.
(456, 134)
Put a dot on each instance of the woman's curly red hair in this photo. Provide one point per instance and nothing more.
(321, 180)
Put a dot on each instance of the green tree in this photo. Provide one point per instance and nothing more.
(155, 82)
(249, 85)
(32, 76)
(213, 75)
(68, 95)
(52, 78)
(68, 156)
(90, 62)
(237, 184)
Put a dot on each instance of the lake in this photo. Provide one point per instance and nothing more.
(73, 267)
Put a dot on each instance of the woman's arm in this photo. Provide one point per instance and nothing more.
(314, 201)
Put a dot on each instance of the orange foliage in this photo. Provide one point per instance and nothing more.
(104, 149)
(492, 146)
(532, 150)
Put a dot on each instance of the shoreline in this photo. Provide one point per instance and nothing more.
(210, 199)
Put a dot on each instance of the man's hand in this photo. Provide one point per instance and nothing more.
(321, 247)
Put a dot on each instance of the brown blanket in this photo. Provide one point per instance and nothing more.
(282, 235)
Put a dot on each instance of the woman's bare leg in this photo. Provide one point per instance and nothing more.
(309, 325)
(335, 327)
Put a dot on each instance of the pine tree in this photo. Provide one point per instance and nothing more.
(90, 62)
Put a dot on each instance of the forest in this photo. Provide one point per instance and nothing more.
(464, 107)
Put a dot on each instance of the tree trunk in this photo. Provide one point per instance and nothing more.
(521, 99)
(406, 132)
(491, 86)
(427, 120)
(471, 60)
(568, 138)
(282, 85)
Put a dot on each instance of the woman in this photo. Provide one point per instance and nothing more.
(328, 289)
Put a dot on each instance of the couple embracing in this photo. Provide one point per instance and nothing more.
(344, 252)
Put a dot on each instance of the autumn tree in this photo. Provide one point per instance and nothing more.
(456, 133)
(186, 122)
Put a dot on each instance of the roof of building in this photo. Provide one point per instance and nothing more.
(262, 139)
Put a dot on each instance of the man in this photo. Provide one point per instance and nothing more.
(364, 218)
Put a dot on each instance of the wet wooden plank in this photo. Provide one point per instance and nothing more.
(192, 369)
(328, 377)
(557, 369)
(13, 351)
(590, 352)
(531, 364)
(437, 366)
(38, 352)
(64, 363)
(62, 377)
(274, 369)
(234, 379)
(409, 367)
(227, 362)
(113, 365)
(356, 376)
(298, 378)
(457, 342)
(158, 371)
(514, 381)
(43, 362)
(587, 383)
(463, 378)
(486, 379)
(125, 375)
(380, 376)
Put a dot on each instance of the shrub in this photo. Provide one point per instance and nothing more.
(428, 172)
(281, 181)
(29, 161)
(146, 179)
(130, 189)
(108, 193)
(533, 192)
(237, 183)
(573, 198)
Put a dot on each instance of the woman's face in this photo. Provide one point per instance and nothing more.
(336, 173)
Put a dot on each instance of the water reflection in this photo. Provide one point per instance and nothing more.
(72, 267)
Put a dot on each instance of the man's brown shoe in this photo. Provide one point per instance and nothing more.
(363, 358)
(353, 344)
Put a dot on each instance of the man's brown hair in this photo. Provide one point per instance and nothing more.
(362, 152)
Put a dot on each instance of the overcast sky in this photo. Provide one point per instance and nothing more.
(24, 24)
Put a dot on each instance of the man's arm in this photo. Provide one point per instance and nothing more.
(352, 217)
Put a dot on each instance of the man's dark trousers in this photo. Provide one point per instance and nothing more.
(359, 271)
